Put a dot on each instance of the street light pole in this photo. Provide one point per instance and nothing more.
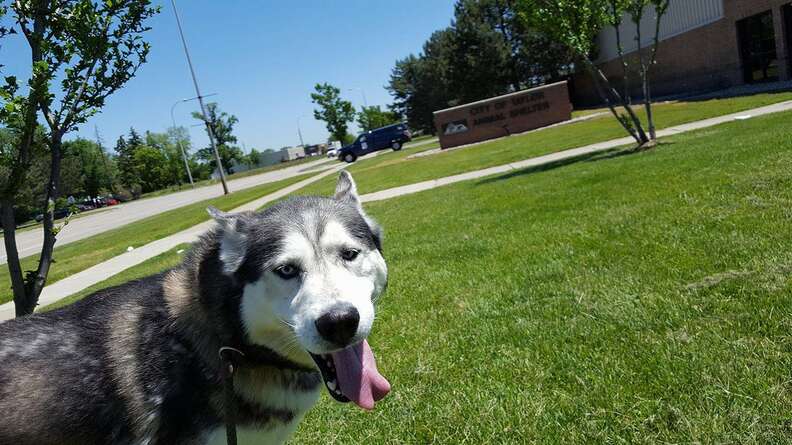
(299, 132)
(178, 142)
(209, 130)
(362, 93)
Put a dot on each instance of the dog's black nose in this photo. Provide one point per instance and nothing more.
(339, 324)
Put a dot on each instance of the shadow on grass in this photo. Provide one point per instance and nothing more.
(588, 157)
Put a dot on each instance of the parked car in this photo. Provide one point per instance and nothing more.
(59, 214)
(392, 136)
(332, 153)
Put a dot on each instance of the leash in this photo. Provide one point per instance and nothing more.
(227, 355)
(231, 359)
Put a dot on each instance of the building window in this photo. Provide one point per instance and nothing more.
(756, 35)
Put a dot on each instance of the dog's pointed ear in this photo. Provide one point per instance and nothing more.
(346, 190)
(233, 241)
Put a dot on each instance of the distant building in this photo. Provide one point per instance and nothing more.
(705, 45)
(292, 153)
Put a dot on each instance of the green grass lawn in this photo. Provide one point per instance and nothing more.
(152, 266)
(386, 172)
(622, 298)
(80, 255)
(643, 298)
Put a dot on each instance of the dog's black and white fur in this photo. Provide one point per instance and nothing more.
(138, 363)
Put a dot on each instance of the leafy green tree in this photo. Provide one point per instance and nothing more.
(153, 167)
(493, 43)
(576, 23)
(253, 158)
(173, 166)
(421, 85)
(487, 51)
(222, 125)
(90, 50)
(129, 173)
(373, 117)
(336, 113)
(96, 170)
(480, 61)
(30, 193)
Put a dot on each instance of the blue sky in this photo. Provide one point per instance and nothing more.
(263, 59)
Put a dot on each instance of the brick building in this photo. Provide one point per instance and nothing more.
(705, 45)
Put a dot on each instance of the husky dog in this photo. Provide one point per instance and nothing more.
(292, 288)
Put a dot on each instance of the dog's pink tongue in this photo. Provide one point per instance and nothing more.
(358, 377)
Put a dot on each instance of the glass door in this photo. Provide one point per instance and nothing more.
(756, 36)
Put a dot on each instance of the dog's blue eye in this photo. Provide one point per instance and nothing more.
(349, 254)
(287, 271)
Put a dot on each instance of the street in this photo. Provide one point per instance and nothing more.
(29, 241)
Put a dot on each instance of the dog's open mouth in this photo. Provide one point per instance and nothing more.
(351, 375)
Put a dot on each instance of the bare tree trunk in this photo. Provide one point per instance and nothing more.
(35, 284)
(617, 21)
(648, 105)
(644, 75)
(12, 254)
(660, 9)
(639, 134)
(597, 76)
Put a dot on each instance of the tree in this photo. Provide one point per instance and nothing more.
(173, 164)
(90, 49)
(253, 158)
(125, 149)
(421, 85)
(153, 168)
(487, 51)
(491, 36)
(576, 24)
(96, 170)
(334, 111)
(636, 9)
(374, 116)
(482, 64)
(222, 125)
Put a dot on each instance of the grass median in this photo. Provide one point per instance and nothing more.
(80, 255)
(615, 298)
(393, 170)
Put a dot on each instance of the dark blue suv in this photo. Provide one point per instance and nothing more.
(392, 136)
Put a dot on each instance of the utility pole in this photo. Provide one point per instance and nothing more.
(209, 129)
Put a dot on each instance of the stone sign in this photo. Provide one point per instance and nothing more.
(503, 115)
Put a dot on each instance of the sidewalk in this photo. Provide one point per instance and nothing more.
(571, 153)
(102, 271)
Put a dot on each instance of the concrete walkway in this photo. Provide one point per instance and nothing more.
(571, 153)
(82, 280)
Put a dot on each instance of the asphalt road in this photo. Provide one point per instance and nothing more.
(29, 241)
